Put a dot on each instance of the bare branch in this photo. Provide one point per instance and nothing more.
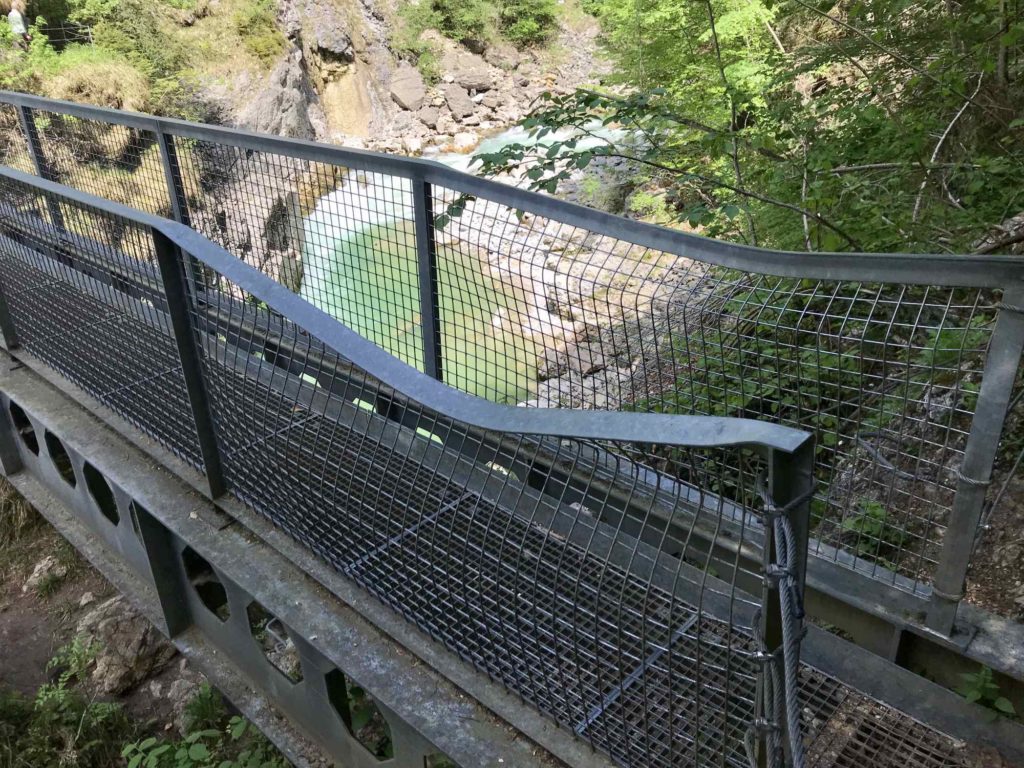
(938, 148)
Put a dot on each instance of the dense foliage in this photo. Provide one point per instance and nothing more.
(63, 724)
(882, 125)
(143, 55)
(476, 22)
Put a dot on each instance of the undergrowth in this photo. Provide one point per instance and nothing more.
(65, 724)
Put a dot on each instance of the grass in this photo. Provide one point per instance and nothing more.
(17, 518)
(256, 25)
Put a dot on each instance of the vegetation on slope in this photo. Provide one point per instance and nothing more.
(144, 55)
(879, 125)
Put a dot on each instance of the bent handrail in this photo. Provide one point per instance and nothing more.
(974, 270)
(669, 429)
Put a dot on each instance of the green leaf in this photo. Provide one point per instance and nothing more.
(198, 751)
(1004, 705)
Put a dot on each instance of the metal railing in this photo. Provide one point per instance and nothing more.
(902, 365)
(532, 543)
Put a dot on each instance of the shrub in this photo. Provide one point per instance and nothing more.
(95, 76)
(456, 19)
(257, 26)
(527, 22)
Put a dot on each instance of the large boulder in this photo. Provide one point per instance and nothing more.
(428, 116)
(131, 649)
(407, 87)
(468, 70)
(465, 141)
(458, 100)
(502, 55)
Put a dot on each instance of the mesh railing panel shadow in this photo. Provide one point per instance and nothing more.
(114, 162)
(342, 238)
(886, 375)
(13, 144)
(570, 570)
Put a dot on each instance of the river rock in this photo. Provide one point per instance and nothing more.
(413, 145)
(467, 69)
(407, 87)
(131, 649)
(502, 55)
(465, 141)
(428, 116)
(458, 100)
(446, 124)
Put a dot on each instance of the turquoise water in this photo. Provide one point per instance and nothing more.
(360, 266)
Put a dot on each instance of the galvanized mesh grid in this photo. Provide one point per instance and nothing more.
(115, 162)
(88, 311)
(533, 310)
(608, 621)
(886, 375)
(479, 539)
(845, 729)
(342, 238)
(13, 144)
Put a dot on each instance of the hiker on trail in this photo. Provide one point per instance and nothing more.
(16, 18)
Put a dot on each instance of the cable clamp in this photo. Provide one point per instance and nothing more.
(973, 481)
(1009, 307)
(771, 511)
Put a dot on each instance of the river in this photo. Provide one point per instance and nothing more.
(360, 266)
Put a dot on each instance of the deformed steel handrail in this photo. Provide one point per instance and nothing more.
(676, 430)
(979, 271)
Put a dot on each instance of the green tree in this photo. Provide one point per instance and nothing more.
(877, 125)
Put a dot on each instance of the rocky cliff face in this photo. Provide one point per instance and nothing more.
(340, 82)
(330, 84)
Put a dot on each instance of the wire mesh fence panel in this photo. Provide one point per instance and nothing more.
(13, 145)
(886, 375)
(342, 238)
(115, 162)
(90, 306)
(846, 729)
(536, 311)
(548, 563)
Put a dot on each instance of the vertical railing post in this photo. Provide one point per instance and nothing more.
(171, 261)
(1004, 356)
(790, 483)
(172, 174)
(426, 252)
(27, 118)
